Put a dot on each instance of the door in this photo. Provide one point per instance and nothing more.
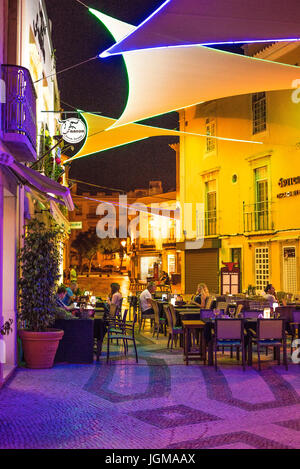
(289, 269)
(201, 266)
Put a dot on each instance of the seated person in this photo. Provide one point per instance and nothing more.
(179, 301)
(145, 297)
(62, 311)
(202, 294)
(115, 297)
(165, 278)
(270, 295)
(70, 295)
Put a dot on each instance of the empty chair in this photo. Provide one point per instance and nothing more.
(173, 314)
(208, 302)
(270, 333)
(222, 305)
(238, 310)
(172, 330)
(158, 321)
(127, 336)
(229, 333)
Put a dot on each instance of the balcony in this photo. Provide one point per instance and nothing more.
(257, 217)
(18, 112)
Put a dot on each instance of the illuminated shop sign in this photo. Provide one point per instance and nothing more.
(288, 182)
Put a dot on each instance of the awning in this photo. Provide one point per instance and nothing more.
(203, 22)
(98, 139)
(165, 80)
(52, 189)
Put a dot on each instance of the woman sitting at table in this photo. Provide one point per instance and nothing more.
(202, 294)
(115, 297)
(270, 295)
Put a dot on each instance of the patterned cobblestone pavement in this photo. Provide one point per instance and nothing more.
(158, 403)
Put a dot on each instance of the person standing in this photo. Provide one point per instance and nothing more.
(73, 275)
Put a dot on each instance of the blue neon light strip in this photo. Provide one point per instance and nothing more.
(106, 53)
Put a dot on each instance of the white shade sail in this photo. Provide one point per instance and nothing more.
(98, 140)
(203, 22)
(165, 80)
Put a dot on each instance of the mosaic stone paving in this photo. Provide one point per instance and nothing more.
(159, 403)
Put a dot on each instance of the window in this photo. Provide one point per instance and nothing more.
(259, 112)
(211, 208)
(261, 268)
(261, 199)
(210, 129)
(289, 269)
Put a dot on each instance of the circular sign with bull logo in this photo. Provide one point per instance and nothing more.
(73, 130)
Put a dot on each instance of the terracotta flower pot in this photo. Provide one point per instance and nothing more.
(40, 347)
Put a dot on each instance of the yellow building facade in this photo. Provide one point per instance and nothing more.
(250, 191)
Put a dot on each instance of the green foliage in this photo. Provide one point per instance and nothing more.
(39, 261)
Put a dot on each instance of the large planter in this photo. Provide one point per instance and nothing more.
(40, 347)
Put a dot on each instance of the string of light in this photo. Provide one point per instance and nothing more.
(67, 68)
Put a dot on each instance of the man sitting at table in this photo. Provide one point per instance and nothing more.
(62, 311)
(145, 298)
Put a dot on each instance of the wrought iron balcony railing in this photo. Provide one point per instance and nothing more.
(18, 112)
(257, 217)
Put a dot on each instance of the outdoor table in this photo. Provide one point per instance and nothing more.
(187, 306)
(188, 327)
(77, 344)
(186, 314)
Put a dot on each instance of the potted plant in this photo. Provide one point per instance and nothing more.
(39, 263)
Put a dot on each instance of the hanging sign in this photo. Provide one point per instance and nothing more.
(73, 130)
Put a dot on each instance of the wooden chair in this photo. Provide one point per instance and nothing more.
(229, 333)
(173, 313)
(143, 317)
(157, 320)
(172, 330)
(238, 310)
(127, 336)
(222, 305)
(270, 333)
(208, 302)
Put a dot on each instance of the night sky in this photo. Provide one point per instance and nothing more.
(101, 86)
